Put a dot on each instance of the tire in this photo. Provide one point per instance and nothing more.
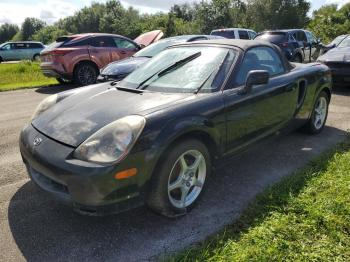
(63, 81)
(174, 191)
(36, 58)
(297, 59)
(319, 115)
(85, 74)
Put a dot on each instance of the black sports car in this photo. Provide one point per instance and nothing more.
(119, 69)
(338, 60)
(154, 137)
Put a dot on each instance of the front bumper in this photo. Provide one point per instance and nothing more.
(340, 72)
(90, 188)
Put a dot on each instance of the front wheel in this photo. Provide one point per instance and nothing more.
(85, 74)
(319, 114)
(179, 182)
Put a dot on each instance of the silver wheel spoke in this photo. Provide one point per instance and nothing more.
(184, 192)
(198, 183)
(183, 163)
(196, 163)
(176, 184)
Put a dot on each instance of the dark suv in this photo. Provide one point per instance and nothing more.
(298, 45)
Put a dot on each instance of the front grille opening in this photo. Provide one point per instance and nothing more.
(48, 183)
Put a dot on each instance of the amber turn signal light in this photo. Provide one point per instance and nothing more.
(126, 173)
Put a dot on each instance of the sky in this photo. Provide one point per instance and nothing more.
(15, 11)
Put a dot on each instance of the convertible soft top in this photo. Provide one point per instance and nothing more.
(243, 45)
(240, 43)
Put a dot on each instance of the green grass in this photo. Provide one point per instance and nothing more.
(25, 74)
(305, 217)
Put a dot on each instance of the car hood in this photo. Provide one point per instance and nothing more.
(149, 38)
(339, 54)
(123, 67)
(75, 118)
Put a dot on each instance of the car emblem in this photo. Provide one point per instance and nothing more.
(37, 141)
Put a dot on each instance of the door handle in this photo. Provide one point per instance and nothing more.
(123, 52)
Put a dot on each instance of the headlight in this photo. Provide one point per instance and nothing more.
(113, 142)
(44, 105)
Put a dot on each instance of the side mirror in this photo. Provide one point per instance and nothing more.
(255, 77)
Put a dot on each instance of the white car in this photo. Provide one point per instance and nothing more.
(235, 33)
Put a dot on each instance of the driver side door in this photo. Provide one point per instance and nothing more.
(266, 108)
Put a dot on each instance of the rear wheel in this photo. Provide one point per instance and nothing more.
(319, 115)
(179, 182)
(36, 58)
(85, 74)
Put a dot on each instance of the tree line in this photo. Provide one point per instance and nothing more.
(111, 17)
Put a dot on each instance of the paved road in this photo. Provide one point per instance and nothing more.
(36, 228)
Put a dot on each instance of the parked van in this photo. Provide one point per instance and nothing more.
(235, 33)
(14, 51)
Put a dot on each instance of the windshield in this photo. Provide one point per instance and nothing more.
(158, 47)
(338, 39)
(183, 70)
(345, 43)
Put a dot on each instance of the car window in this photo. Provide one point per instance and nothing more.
(273, 37)
(224, 33)
(21, 46)
(345, 43)
(310, 37)
(207, 69)
(102, 41)
(35, 45)
(259, 58)
(243, 34)
(6, 47)
(300, 36)
(252, 34)
(123, 43)
(77, 42)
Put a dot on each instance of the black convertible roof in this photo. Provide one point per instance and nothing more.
(242, 44)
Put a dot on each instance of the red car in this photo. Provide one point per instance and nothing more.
(78, 58)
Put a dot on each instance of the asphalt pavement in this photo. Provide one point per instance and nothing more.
(34, 227)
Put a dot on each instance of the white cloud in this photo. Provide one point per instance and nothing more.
(49, 11)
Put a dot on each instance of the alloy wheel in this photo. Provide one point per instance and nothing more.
(186, 179)
(320, 112)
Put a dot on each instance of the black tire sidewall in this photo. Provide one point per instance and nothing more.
(76, 74)
(158, 198)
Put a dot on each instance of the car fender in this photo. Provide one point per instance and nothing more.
(174, 130)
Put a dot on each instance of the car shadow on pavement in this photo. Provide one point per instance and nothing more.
(54, 89)
(46, 230)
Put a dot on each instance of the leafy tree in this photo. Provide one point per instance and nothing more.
(49, 34)
(329, 22)
(277, 14)
(30, 26)
(7, 32)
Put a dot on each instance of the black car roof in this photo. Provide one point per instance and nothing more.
(239, 43)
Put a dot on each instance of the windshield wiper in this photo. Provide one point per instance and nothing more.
(170, 68)
(217, 69)
(132, 90)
